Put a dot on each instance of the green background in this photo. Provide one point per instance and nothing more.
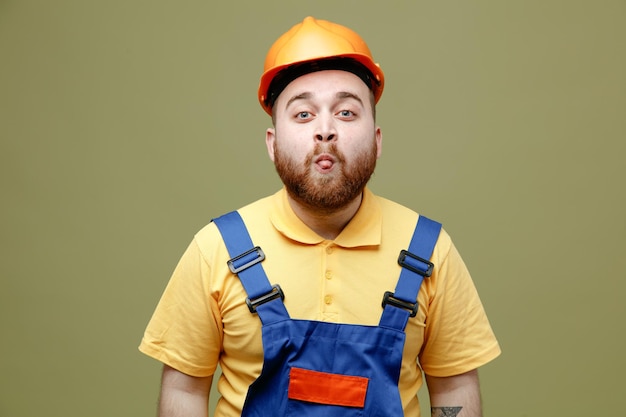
(126, 125)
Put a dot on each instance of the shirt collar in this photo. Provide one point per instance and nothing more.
(364, 229)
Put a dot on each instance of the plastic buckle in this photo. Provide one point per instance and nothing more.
(389, 298)
(232, 264)
(406, 256)
(275, 293)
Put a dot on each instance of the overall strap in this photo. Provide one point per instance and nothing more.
(402, 304)
(263, 298)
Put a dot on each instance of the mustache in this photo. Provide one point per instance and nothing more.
(326, 148)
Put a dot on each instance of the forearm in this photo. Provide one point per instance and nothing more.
(183, 395)
(456, 396)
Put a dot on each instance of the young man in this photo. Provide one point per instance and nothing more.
(319, 343)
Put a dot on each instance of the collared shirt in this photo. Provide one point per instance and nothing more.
(202, 319)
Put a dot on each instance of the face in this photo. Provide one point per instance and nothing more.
(325, 142)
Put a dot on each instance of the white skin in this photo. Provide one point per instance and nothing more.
(320, 110)
(315, 113)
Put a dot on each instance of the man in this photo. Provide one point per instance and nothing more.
(319, 343)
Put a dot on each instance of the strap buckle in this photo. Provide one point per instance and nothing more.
(389, 298)
(423, 266)
(245, 260)
(275, 293)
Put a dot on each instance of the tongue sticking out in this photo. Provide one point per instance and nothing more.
(325, 164)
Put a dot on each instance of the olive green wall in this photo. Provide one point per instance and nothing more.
(125, 125)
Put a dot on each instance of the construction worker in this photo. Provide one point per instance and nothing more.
(322, 299)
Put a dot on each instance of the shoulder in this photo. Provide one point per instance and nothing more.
(398, 218)
(209, 239)
(391, 209)
(394, 213)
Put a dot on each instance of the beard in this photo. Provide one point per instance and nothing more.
(326, 192)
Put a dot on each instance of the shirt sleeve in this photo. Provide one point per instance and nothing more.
(185, 329)
(458, 336)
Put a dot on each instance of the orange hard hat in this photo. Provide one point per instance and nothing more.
(315, 41)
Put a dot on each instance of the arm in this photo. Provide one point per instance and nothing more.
(183, 395)
(454, 396)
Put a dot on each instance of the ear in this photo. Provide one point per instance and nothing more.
(379, 142)
(270, 141)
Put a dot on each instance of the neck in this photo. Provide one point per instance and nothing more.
(327, 224)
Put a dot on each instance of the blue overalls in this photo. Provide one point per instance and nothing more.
(321, 369)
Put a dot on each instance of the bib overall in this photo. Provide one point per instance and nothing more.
(321, 369)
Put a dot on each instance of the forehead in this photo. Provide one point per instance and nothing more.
(323, 84)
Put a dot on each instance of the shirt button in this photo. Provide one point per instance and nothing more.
(329, 250)
(328, 275)
(328, 299)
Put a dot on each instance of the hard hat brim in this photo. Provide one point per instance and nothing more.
(376, 86)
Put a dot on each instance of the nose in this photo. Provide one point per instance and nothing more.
(325, 130)
(327, 138)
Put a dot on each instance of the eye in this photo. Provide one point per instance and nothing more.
(346, 114)
(303, 115)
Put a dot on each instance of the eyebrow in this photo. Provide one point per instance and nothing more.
(303, 96)
(339, 95)
(347, 94)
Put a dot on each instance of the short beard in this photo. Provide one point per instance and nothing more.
(331, 192)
